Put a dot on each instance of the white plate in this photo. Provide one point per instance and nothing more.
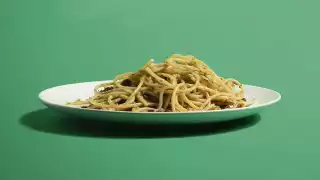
(57, 97)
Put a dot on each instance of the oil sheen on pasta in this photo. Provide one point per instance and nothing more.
(179, 84)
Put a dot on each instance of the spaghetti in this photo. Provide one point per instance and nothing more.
(180, 84)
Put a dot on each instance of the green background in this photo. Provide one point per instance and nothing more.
(274, 44)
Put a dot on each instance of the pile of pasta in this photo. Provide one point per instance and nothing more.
(179, 84)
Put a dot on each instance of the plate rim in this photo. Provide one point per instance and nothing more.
(41, 94)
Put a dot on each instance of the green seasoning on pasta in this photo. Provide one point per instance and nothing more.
(180, 84)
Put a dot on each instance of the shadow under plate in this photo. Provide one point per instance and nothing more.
(48, 121)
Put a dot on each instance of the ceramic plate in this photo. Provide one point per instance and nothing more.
(57, 97)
